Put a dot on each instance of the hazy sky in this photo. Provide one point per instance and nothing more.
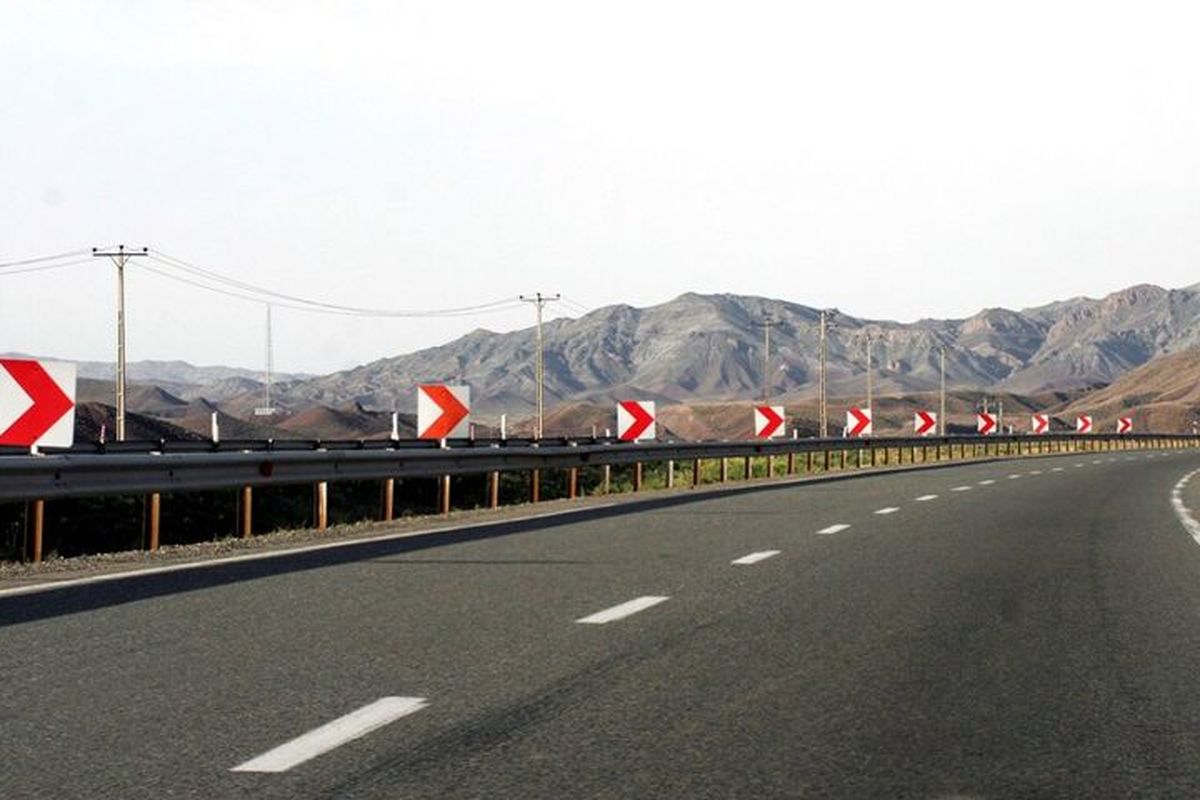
(897, 160)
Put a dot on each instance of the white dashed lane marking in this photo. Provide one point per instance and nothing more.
(888, 510)
(961, 489)
(333, 734)
(833, 529)
(987, 482)
(754, 558)
(620, 612)
(925, 498)
(1014, 477)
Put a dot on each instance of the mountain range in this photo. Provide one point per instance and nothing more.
(710, 347)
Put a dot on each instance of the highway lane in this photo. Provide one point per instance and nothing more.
(1004, 636)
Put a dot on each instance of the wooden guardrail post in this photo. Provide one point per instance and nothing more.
(748, 469)
(724, 469)
(535, 485)
(387, 499)
(607, 478)
(572, 483)
(695, 472)
(637, 477)
(493, 490)
(246, 512)
(791, 464)
(153, 517)
(670, 474)
(35, 523)
(321, 505)
(444, 495)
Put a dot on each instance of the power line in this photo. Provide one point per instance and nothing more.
(44, 267)
(40, 259)
(310, 304)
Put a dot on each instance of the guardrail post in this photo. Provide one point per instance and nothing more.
(153, 516)
(791, 464)
(724, 469)
(873, 454)
(321, 505)
(572, 483)
(444, 495)
(695, 472)
(245, 512)
(670, 474)
(607, 478)
(493, 490)
(808, 459)
(387, 499)
(748, 469)
(35, 522)
(535, 485)
(637, 477)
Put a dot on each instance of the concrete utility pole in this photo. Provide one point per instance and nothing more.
(119, 257)
(267, 409)
(826, 323)
(767, 323)
(539, 302)
(869, 392)
(942, 407)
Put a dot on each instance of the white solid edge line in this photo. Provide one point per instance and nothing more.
(291, 551)
(833, 529)
(621, 611)
(925, 498)
(888, 510)
(754, 558)
(333, 734)
(1186, 519)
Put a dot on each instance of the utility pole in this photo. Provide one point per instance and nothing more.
(826, 322)
(767, 323)
(869, 393)
(267, 409)
(942, 407)
(539, 302)
(119, 257)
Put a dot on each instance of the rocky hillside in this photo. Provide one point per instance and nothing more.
(709, 347)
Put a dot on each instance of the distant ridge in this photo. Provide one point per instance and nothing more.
(708, 348)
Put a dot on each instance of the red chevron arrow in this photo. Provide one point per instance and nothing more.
(1083, 424)
(985, 424)
(453, 412)
(924, 423)
(769, 421)
(642, 419)
(1040, 423)
(1125, 425)
(50, 403)
(858, 421)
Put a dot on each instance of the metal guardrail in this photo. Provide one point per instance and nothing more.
(130, 469)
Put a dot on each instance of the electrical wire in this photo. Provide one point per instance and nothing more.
(275, 303)
(44, 267)
(234, 284)
(40, 259)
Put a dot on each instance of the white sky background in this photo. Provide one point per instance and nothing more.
(897, 160)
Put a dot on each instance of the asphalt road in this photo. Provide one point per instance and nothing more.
(1027, 636)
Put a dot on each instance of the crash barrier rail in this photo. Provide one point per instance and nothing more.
(151, 469)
